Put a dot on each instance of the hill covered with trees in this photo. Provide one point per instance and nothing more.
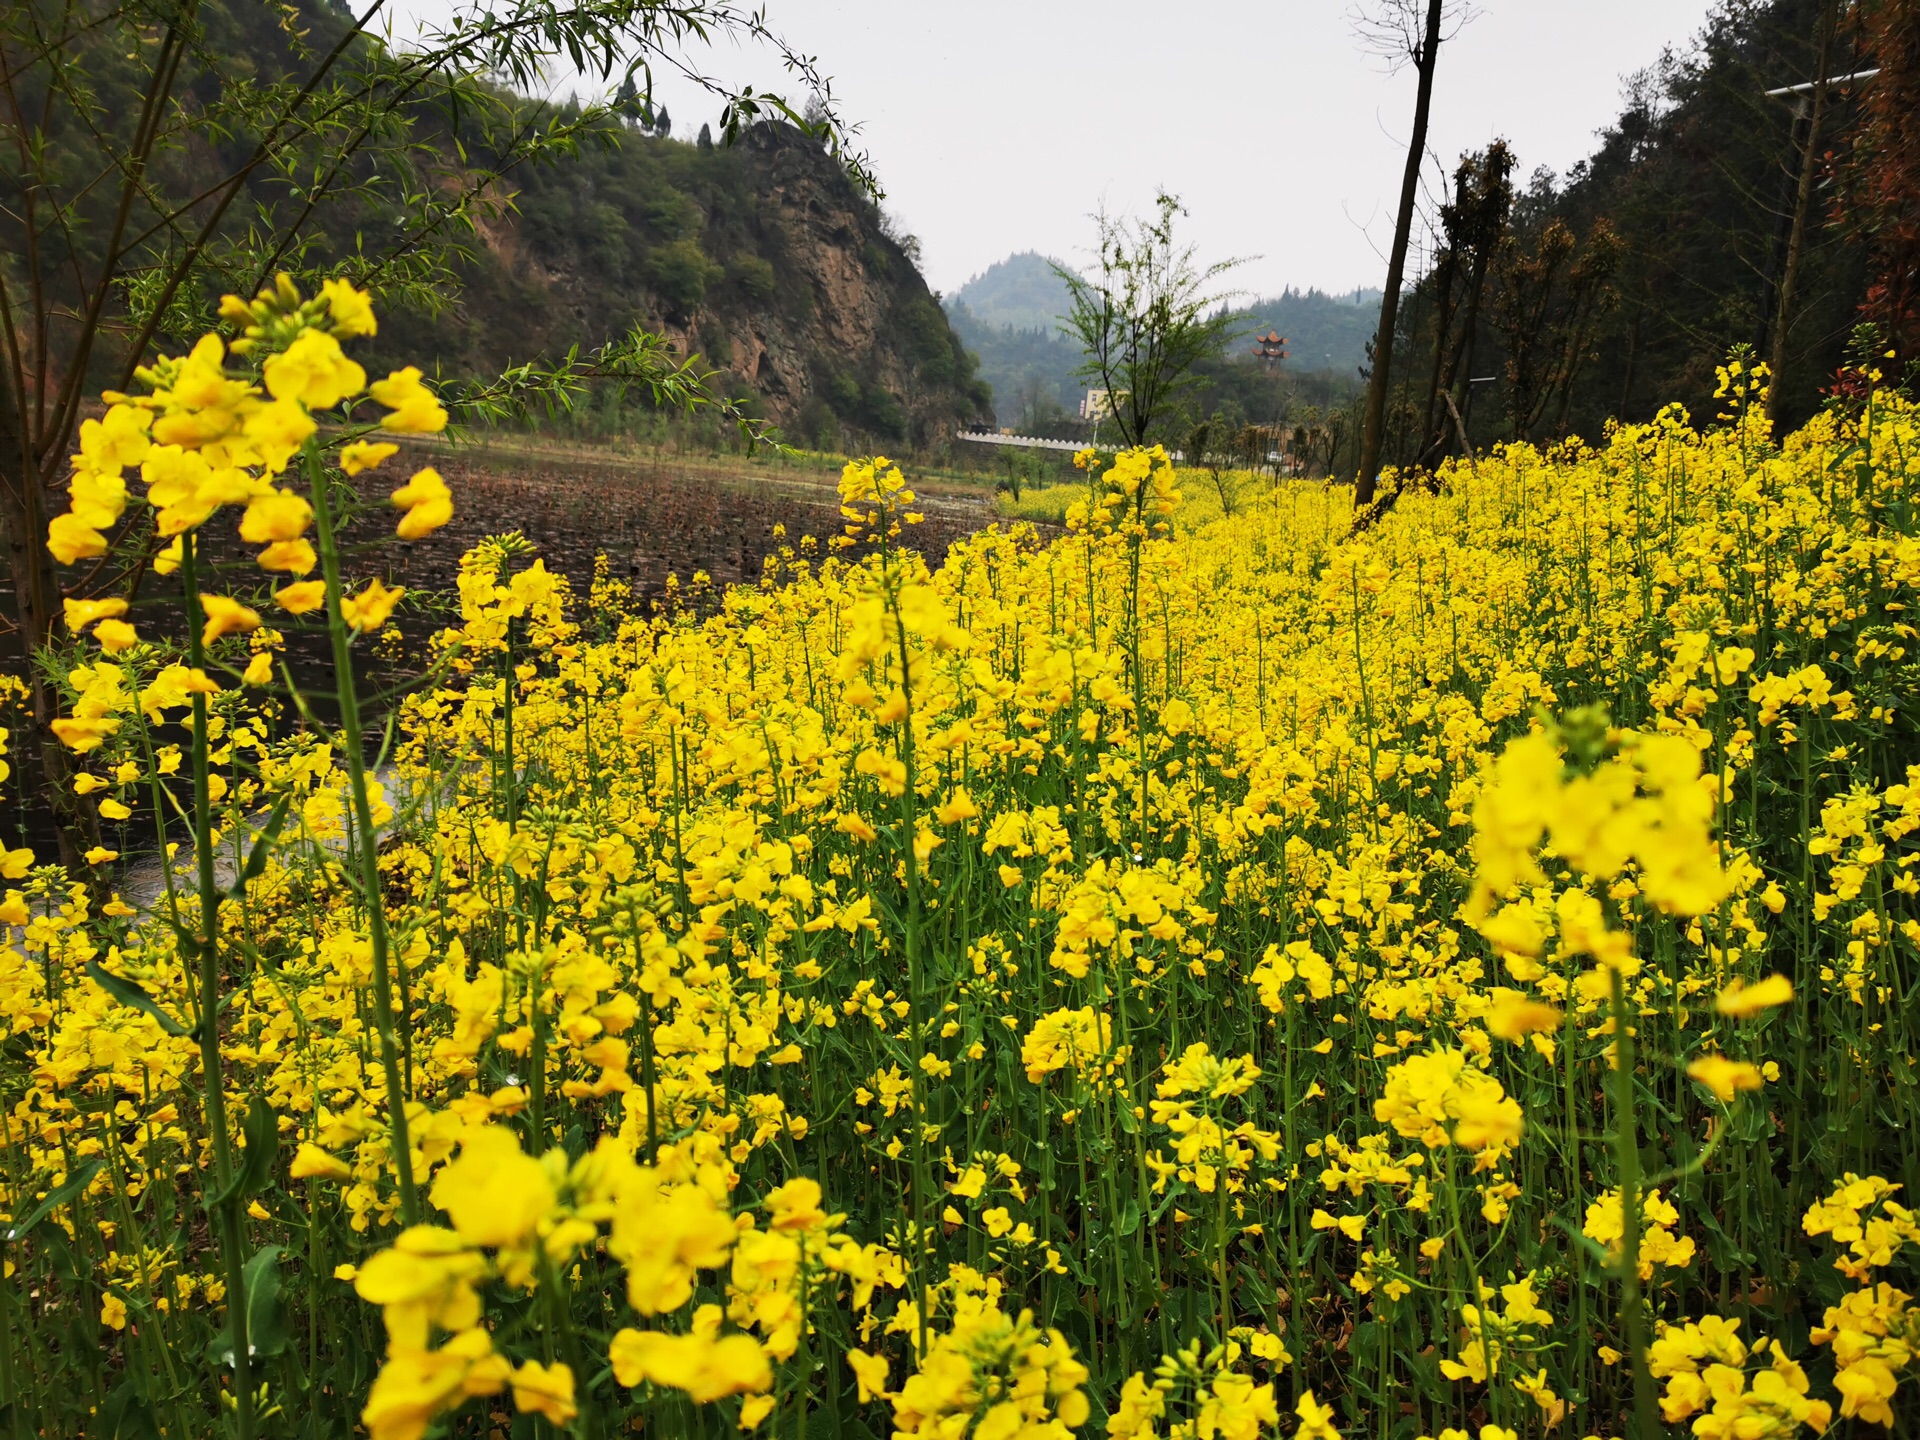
(496, 231)
(763, 257)
(1717, 212)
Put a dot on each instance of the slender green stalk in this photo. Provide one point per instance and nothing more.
(1626, 1149)
(367, 850)
(205, 943)
(921, 1202)
(9, 1377)
(1220, 1251)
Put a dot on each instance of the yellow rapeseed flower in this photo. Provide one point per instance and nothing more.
(1741, 1000)
(706, 1367)
(225, 616)
(414, 410)
(371, 608)
(1725, 1078)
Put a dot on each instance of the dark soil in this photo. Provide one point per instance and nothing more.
(651, 518)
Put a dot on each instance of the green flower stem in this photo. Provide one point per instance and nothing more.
(510, 677)
(563, 1335)
(1296, 1312)
(1220, 1250)
(231, 1222)
(1139, 684)
(368, 852)
(921, 1204)
(1626, 1147)
(537, 1061)
(1471, 1263)
(1583, 1362)
(9, 1378)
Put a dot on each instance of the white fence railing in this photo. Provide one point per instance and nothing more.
(1030, 442)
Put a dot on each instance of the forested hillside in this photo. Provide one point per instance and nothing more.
(1618, 288)
(499, 231)
(762, 257)
(1696, 182)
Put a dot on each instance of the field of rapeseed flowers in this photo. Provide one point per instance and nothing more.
(1188, 979)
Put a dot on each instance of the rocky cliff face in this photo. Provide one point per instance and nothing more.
(762, 257)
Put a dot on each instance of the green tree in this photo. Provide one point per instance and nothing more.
(681, 273)
(157, 153)
(1551, 295)
(1815, 112)
(1146, 317)
(1209, 447)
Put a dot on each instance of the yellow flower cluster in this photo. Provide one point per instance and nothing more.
(1659, 1245)
(1704, 1366)
(1874, 1332)
(204, 436)
(1196, 1394)
(987, 1375)
(1641, 807)
(1137, 495)
(1442, 1098)
(1492, 1340)
(1208, 1152)
(1077, 1040)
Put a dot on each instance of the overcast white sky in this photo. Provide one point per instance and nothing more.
(999, 125)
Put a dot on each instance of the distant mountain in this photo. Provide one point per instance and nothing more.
(1031, 370)
(1021, 291)
(1006, 316)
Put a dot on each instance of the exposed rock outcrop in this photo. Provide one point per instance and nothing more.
(764, 258)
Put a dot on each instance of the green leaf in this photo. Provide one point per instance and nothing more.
(60, 1195)
(262, 846)
(262, 1132)
(128, 993)
(266, 1321)
(127, 1414)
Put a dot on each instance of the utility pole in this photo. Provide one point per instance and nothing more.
(1809, 114)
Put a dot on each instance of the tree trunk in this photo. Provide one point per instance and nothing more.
(1373, 432)
(23, 531)
(1633, 354)
(1802, 203)
(1460, 368)
(1403, 412)
(1454, 369)
(1434, 426)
